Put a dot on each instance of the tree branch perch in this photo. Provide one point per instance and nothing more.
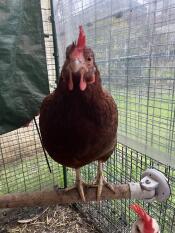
(61, 196)
(153, 185)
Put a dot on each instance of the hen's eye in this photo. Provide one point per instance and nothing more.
(89, 58)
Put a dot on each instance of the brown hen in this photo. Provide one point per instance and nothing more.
(78, 121)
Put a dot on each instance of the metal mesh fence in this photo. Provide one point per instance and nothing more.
(22, 161)
(134, 46)
(133, 43)
(124, 166)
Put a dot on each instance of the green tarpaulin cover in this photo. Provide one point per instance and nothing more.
(23, 69)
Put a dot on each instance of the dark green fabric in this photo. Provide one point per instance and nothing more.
(23, 69)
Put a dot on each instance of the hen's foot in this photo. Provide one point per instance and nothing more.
(79, 185)
(100, 181)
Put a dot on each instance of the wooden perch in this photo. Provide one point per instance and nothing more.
(61, 196)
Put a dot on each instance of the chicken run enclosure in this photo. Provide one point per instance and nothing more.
(134, 46)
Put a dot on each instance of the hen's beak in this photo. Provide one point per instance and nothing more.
(76, 65)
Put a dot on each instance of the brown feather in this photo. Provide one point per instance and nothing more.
(78, 127)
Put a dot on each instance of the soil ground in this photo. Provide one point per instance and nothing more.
(53, 219)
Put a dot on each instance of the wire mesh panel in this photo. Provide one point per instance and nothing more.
(124, 166)
(134, 46)
(133, 43)
(22, 161)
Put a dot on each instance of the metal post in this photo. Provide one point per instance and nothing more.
(55, 45)
(65, 176)
(57, 68)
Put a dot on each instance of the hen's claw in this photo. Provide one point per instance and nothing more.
(100, 181)
(79, 185)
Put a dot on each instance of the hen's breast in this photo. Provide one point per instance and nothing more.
(77, 130)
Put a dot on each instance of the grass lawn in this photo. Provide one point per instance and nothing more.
(146, 121)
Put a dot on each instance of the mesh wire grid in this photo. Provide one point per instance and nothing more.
(134, 51)
(127, 165)
(23, 165)
(133, 43)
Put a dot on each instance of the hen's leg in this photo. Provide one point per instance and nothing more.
(79, 184)
(100, 181)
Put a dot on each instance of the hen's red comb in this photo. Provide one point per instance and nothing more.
(144, 216)
(81, 43)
